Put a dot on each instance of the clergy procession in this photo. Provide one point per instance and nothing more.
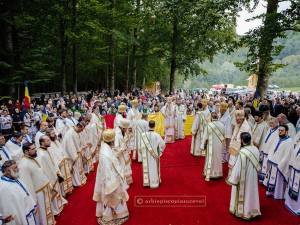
(49, 150)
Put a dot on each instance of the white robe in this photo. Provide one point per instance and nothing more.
(169, 113)
(152, 148)
(110, 186)
(292, 130)
(60, 159)
(142, 127)
(134, 115)
(235, 142)
(38, 186)
(71, 146)
(86, 151)
(5, 155)
(292, 194)
(61, 126)
(244, 200)
(215, 137)
(37, 137)
(14, 150)
(259, 132)
(16, 201)
(123, 154)
(226, 120)
(278, 168)
(117, 120)
(51, 170)
(196, 136)
(267, 146)
(180, 120)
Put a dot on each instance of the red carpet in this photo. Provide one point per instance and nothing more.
(181, 175)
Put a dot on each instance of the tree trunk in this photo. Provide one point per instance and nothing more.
(112, 48)
(266, 45)
(173, 54)
(63, 55)
(107, 77)
(134, 47)
(74, 47)
(127, 68)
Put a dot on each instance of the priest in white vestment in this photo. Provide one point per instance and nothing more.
(110, 186)
(40, 133)
(16, 201)
(226, 120)
(86, 147)
(244, 202)
(121, 148)
(180, 119)
(152, 148)
(169, 113)
(134, 115)
(120, 114)
(282, 119)
(292, 194)
(197, 132)
(205, 119)
(4, 153)
(267, 147)
(60, 124)
(60, 159)
(214, 137)
(93, 140)
(241, 125)
(259, 129)
(52, 171)
(38, 184)
(278, 165)
(141, 127)
(14, 146)
(72, 148)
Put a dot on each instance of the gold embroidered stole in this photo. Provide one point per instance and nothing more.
(148, 148)
(212, 128)
(245, 154)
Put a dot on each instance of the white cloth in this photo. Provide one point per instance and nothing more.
(215, 137)
(142, 127)
(169, 112)
(292, 194)
(38, 135)
(267, 147)
(235, 142)
(243, 179)
(292, 130)
(16, 201)
(51, 170)
(38, 186)
(61, 126)
(123, 154)
(134, 115)
(15, 150)
(278, 168)
(71, 146)
(110, 186)
(5, 155)
(258, 133)
(117, 120)
(151, 155)
(180, 120)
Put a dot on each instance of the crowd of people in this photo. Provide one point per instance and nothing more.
(47, 149)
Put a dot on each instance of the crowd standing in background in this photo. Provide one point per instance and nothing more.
(47, 150)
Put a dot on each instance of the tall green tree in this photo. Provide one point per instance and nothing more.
(262, 40)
